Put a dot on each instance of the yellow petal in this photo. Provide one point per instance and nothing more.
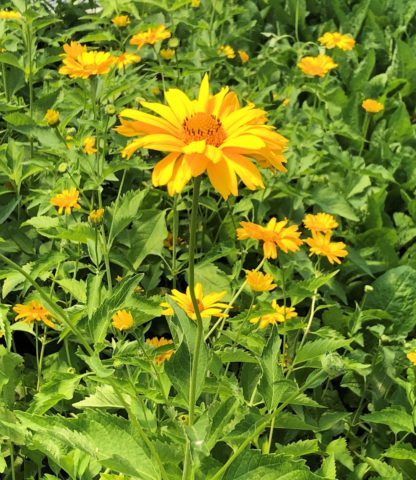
(163, 170)
(203, 94)
(194, 147)
(179, 103)
(244, 141)
(222, 178)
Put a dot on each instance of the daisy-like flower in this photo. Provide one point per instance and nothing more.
(212, 134)
(274, 234)
(372, 106)
(227, 51)
(161, 342)
(412, 357)
(260, 282)
(122, 320)
(167, 53)
(66, 200)
(150, 36)
(126, 59)
(336, 39)
(33, 311)
(317, 66)
(121, 20)
(52, 117)
(280, 315)
(9, 15)
(208, 305)
(89, 145)
(320, 223)
(86, 64)
(243, 56)
(96, 216)
(320, 244)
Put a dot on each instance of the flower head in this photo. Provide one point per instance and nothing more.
(89, 145)
(66, 200)
(372, 106)
(227, 51)
(260, 282)
(208, 305)
(336, 39)
(96, 216)
(167, 53)
(212, 134)
(280, 315)
(285, 102)
(9, 15)
(121, 20)
(274, 234)
(33, 311)
(161, 342)
(86, 63)
(122, 320)
(412, 357)
(150, 36)
(52, 117)
(126, 59)
(195, 3)
(73, 49)
(320, 244)
(243, 56)
(317, 66)
(321, 222)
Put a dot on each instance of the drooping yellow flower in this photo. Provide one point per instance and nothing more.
(209, 305)
(274, 234)
(161, 342)
(167, 53)
(227, 51)
(122, 320)
(372, 106)
(212, 134)
(66, 200)
(336, 39)
(317, 66)
(73, 49)
(121, 20)
(280, 315)
(96, 216)
(412, 357)
(320, 223)
(320, 244)
(86, 64)
(9, 15)
(243, 56)
(126, 59)
(33, 311)
(89, 145)
(260, 282)
(150, 36)
(52, 117)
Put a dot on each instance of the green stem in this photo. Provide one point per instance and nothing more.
(365, 131)
(3, 74)
(269, 443)
(175, 229)
(297, 21)
(110, 233)
(12, 460)
(40, 363)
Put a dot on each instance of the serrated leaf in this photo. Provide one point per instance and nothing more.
(338, 448)
(394, 417)
(311, 350)
(272, 372)
(76, 288)
(299, 448)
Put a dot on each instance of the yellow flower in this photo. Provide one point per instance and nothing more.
(9, 15)
(260, 282)
(212, 134)
(280, 315)
(66, 200)
(321, 245)
(195, 3)
(317, 66)
(52, 117)
(161, 342)
(121, 20)
(412, 357)
(321, 222)
(336, 39)
(150, 36)
(285, 102)
(227, 51)
(126, 59)
(209, 306)
(122, 320)
(274, 234)
(243, 56)
(167, 53)
(155, 91)
(33, 311)
(86, 64)
(372, 106)
(89, 145)
(1, 334)
(96, 216)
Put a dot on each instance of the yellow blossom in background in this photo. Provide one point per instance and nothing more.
(126, 59)
(73, 49)
(274, 235)
(9, 15)
(227, 51)
(212, 134)
(122, 320)
(33, 311)
(209, 305)
(336, 39)
(66, 200)
(285, 102)
(167, 53)
(121, 20)
(96, 216)
(1, 334)
(317, 66)
(321, 245)
(155, 91)
(260, 282)
(372, 106)
(243, 56)
(150, 36)
(86, 64)
(195, 3)
(52, 117)
(280, 315)
(89, 145)
(412, 357)
(321, 222)
(161, 342)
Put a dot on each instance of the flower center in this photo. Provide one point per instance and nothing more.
(203, 126)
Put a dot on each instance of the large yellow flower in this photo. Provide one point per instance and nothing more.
(212, 134)
(336, 39)
(33, 311)
(321, 245)
(86, 63)
(317, 66)
(66, 200)
(150, 36)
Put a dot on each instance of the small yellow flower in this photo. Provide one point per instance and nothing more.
(321, 245)
(320, 223)
(121, 20)
(87, 64)
(150, 36)
(285, 102)
(372, 106)
(260, 282)
(1, 334)
(227, 51)
(52, 117)
(336, 39)
(195, 3)
(89, 145)
(33, 311)
(126, 59)
(167, 53)
(122, 320)
(66, 200)
(9, 15)
(155, 91)
(412, 357)
(96, 216)
(243, 56)
(280, 315)
(161, 342)
(317, 66)
(119, 278)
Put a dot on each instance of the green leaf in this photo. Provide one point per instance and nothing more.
(10, 366)
(403, 451)
(383, 469)
(104, 397)
(75, 287)
(272, 372)
(318, 347)
(42, 222)
(394, 417)
(299, 448)
(338, 448)
(332, 201)
(178, 370)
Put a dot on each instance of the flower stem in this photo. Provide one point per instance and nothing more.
(40, 363)
(365, 131)
(174, 238)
